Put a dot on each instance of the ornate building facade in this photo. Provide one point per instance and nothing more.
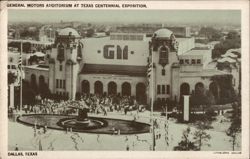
(127, 64)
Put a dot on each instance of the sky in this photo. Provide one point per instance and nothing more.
(129, 16)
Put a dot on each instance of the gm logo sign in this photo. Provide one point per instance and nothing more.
(115, 52)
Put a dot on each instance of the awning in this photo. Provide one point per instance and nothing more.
(114, 69)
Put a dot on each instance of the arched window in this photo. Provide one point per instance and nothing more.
(164, 52)
(98, 87)
(199, 88)
(126, 89)
(112, 88)
(33, 83)
(85, 87)
(41, 81)
(163, 55)
(33, 79)
(60, 53)
(184, 89)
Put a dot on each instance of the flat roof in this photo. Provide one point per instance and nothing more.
(31, 41)
(38, 67)
(114, 69)
(205, 73)
(196, 52)
(182, 39)
(145, 38)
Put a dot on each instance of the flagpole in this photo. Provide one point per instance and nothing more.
(152, 103)
(21, 76)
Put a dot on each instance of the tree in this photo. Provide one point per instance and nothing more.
(202, 98)
(26, 46)
(90, 32)
(233, 35)
(233, 132)
(227, 93)
(28, 94)
(232, 41)
(26, 33)
(200, 135)
(235, 127)
(33, 59)
(210, 33)
(185, 144)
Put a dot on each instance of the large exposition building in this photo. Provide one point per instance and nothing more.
(121, 64)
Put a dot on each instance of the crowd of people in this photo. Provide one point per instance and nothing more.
(112, 103)
(95, 103)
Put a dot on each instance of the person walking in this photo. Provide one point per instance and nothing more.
(127, 148)
(16, 148)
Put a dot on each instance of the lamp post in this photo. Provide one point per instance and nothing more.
(152, 104)
(50, 30)
(166, 127)
(21, 77)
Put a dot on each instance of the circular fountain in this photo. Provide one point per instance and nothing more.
(84, 123)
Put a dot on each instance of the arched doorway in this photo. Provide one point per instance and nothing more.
(126, 89)
(85, 87)
(98, 87)
(33, 83)
(141, 93)
(33, 79)
(213, 88)
(41, 81)
(184, 89)
(112, 88)
(199, 88)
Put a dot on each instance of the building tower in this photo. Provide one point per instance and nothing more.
(64, 62)
(163, 48)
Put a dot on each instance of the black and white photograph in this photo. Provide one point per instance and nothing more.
(124, 80)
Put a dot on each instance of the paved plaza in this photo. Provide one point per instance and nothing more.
(23, 137)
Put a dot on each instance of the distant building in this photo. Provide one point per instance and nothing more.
(13, 33)
(47, 34)
(149, 29)
(29, 46)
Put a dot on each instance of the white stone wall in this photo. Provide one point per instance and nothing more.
(179, 78)
(175, 82)
(159, 79)
(185, 44)
(69, 73)
(52, 84)
(94, 49)
(192, 81)
(37, 72)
